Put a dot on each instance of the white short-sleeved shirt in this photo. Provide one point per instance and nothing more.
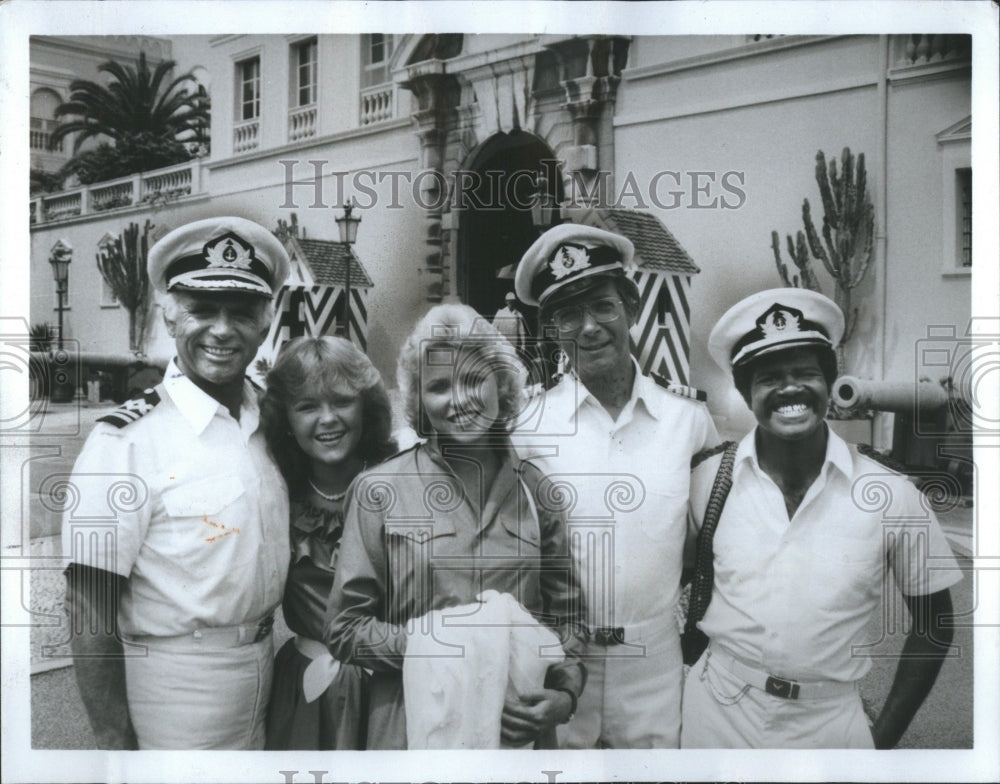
(186, 503)
(794, 596)
(625, 486)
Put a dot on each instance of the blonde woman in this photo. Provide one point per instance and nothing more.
(483, 526)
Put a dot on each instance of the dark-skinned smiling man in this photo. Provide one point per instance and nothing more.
(795, 565)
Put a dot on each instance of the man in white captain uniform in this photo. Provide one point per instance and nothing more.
(619, 445)
(178, 545)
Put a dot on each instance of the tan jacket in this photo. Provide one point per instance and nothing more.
(413, 543)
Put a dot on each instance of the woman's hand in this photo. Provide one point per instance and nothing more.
(525, 718)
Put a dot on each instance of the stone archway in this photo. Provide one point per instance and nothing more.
(560, 88)
(496, 224)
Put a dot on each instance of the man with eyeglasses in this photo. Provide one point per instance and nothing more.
(616, 446)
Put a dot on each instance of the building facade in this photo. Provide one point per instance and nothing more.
(459, 149)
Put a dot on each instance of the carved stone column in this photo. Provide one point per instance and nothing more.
(591, 72)
(437, 97)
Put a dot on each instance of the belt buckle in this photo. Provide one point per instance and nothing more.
(779, 687)
(264, 628)
(609, 635)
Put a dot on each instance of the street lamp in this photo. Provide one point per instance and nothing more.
(347, 224)
(543, 209)
(60, 258)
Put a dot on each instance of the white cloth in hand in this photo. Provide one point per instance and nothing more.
(460, 664)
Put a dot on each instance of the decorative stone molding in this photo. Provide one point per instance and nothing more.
(437, 94)
(591, 72)
(464, 99)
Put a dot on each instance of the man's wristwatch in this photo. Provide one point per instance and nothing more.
(572, 703)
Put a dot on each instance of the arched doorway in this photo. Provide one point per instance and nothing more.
(497, 192)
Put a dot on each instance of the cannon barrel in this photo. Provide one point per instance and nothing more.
(92, 358)
(902, 397)
(61, 373)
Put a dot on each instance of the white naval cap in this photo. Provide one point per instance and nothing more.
(567, 253)
(219, 254)
(773, 320)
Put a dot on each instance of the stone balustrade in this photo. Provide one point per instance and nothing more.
(925, 48)
(165, 184)
(378, 104)
(302, 123)
(246, 136)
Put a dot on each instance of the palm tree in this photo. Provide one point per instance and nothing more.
(134, 104)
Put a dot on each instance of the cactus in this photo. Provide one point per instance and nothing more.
(848, 234)
(848, 228)
(800, 256)
(262, 366)
(286, 229)
(122, 263)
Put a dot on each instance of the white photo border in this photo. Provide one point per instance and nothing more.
(20, 19)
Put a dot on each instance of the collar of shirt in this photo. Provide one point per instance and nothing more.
(838, 454)
(572, 393)
(502, 485)
(432, 449)
(198, 407)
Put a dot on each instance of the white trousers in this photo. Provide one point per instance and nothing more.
(721, 711)
(199, 696)
(632, 698)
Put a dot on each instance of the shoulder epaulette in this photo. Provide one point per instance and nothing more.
(132, 410)
(882, 458)
(704, 454)
(682, 390)
(533, 390)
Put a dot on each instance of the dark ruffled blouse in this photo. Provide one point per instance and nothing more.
(315, 540)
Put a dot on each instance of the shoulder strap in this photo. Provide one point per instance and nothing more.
(708, 452)
(682, 390)
(133, 410)
(704, 576)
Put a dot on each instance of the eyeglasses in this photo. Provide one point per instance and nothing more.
(604, 311)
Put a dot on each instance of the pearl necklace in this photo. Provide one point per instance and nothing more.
(327, 496)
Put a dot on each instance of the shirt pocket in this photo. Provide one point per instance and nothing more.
(844, 570)
(524, 535)
(412, 548)
(208, 522)
(662, 518)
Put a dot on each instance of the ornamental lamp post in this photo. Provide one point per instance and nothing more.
(60, 258)
(63, 382)
(543, 209)
(347, 224)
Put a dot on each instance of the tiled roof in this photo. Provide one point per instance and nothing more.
(328, 262)
(655, 247)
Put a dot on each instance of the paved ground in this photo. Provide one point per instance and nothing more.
(58, 720)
